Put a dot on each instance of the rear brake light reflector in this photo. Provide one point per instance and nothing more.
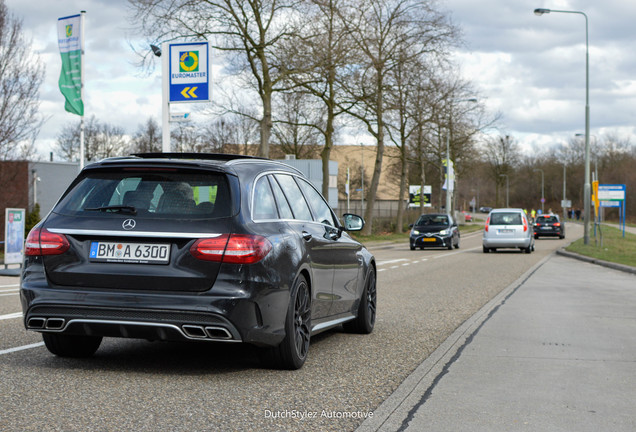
(43, 242)
(232, 248)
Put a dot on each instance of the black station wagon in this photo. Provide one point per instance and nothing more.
(198, 247)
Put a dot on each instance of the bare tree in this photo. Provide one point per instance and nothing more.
(502, 155)
(101, 140)
(21, 74)
(381, 30)
(251, 29)
(147, 139)
(235, 133)
(295, 130)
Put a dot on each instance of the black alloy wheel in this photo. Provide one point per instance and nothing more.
(292, 351)
(365, 321)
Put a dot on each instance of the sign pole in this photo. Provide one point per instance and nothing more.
(165, 98)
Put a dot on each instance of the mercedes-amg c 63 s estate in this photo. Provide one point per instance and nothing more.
(197, 247)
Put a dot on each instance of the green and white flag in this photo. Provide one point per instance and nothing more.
(70, 41)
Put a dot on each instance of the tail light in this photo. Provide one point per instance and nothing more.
(43, 242)
(525, 224)
(557, 224)
(487, 223)
(232, 248)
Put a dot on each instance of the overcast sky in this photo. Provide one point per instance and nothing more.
(529, 68)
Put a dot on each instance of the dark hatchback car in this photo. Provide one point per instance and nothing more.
(434, 230)
(548, 225)
(195, 247)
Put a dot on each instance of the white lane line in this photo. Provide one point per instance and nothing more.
(11, 316)
(9, 294)
(10, 286)
(20, 348)
(392, 261)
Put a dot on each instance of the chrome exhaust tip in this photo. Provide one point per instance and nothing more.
(193, 331)
(218, 333)
(36, 323)
(55, 323)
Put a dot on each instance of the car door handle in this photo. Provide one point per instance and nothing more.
(307, 236)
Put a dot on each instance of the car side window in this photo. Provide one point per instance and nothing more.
(264, 204)
(322, 212)
(283, 206)
(294, 197)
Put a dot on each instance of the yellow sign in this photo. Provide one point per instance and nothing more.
(188, 92)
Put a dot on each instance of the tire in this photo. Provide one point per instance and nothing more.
(450, 245)
(486, 250)
(528, 249)
(412, 247)
(76, 346)
(365, 321)
(457, 244)
(292, 351)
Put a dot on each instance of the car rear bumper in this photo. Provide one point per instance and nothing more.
(507, 242)
(157, 316)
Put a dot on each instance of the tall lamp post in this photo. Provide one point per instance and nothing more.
(542, 189)
(507, 189)
(586, 185)
(450, 187)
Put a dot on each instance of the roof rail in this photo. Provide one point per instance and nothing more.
(205, 156)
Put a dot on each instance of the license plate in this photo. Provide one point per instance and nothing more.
(136, 253)
(428, 239)
(506, 231)
(546, 228)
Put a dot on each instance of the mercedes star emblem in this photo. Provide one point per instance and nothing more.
(129, 224)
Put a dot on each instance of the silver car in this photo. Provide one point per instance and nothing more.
(508, 228)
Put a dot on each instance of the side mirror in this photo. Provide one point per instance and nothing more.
(352, 222)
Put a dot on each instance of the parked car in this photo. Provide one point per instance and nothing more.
(468, 217)
(548, 225)
(199, 248)
(485, 209)
(507, 228)
(434, 230)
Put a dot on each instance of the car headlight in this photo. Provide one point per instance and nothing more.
(416, 232)
(444, 232)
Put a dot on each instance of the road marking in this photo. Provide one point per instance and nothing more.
(11, 316)
(10, 286)
(392, 261)
(20, 348)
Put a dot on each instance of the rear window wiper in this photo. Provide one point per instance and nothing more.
(114, 209)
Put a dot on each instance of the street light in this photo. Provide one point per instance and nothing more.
(449, 186)
(507, 189)
(586, 185)
(542, 195)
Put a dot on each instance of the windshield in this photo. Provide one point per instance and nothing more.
(432, 220)
(154, 194)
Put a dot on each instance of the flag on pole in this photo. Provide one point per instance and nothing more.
(449, 177)
(69, 39)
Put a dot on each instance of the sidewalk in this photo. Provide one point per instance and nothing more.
(556, 351)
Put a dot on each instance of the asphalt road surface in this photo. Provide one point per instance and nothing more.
(423, 296)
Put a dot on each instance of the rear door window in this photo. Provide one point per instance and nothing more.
(506, 219)
(149, 193)
(295, 197)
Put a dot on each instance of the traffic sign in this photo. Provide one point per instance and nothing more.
(189, 71)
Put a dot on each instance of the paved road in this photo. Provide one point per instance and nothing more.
(554, 352)
(424, 296)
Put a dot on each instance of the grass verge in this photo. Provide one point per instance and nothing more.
(616, 248)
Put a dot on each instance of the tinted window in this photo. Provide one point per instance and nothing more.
(264, 204)
(294, 197)
(548, 219)
(283, 206)
(505, 219)
(322, 212)
(154, 194)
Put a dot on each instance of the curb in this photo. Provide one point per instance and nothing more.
(608, 264)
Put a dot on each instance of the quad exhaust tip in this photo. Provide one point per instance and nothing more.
(46, 323)
(210, 332)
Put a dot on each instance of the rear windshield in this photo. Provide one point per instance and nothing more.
(153, 194)
(432, 220)
(506, 219)
(547, 219)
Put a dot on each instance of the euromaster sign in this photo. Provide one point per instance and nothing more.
(189, 72)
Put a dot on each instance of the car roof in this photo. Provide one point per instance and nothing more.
(508, 210)
(220, 161)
